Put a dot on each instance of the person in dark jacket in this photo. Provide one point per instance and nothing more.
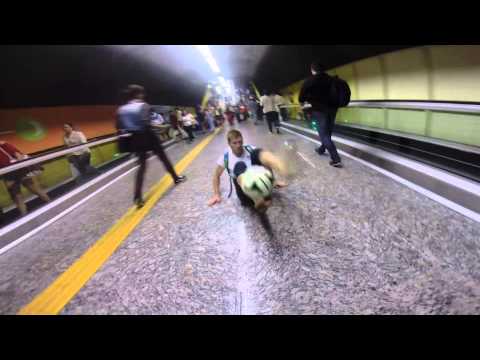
(134, 118)
(316, 91)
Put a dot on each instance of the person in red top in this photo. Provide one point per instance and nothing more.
(9, 154)
(243, 112)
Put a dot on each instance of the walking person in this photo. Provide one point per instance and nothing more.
(134, 118)
(317, 92)
(13, 180)
(210, 119)
(271, 109)
(176, 126)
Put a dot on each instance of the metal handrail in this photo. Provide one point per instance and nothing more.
(419, 105)
(42, 158)
(411, 105)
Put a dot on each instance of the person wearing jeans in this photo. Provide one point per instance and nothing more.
(325, 123)
(210, 120)
(316, 91)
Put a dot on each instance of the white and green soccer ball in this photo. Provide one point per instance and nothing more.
(257, 182)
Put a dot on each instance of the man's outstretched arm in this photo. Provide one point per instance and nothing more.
(217, 197)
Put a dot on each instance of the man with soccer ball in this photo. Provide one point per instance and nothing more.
(251, 171)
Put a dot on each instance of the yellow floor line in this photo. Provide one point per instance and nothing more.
(54, 298)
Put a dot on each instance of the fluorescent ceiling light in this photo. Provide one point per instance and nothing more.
(205, 51)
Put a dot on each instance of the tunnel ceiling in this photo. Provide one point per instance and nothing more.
(93, 75)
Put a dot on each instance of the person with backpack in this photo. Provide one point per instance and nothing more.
(250, 170)
(325, 94)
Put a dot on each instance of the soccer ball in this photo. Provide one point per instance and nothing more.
(257, 182)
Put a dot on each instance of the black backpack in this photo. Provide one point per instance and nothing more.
(339, 93)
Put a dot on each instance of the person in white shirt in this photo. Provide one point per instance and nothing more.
(188, 122)
(79, 159)
(249, 168)
(271, 109)
(156, 118)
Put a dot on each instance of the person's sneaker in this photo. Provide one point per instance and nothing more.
(278, 131)
(337, 164)
(180, 179)
(317, 150)
(140, 203)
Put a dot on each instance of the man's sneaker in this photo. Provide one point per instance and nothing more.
(317, 150)
(278, 131)
(180, 179)
(337, 164)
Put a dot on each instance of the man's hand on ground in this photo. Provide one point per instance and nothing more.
(214, 200)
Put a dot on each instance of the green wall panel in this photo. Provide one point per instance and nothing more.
(407, 121)
(349, 115)
(461, 128)
(370, 117)
(55, 172)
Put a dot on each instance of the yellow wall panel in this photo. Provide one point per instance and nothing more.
(456, 72)
(407, 75)
(346, 73)
(370, 79)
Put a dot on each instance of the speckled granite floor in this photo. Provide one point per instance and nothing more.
(31, 266)
(343, 241)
